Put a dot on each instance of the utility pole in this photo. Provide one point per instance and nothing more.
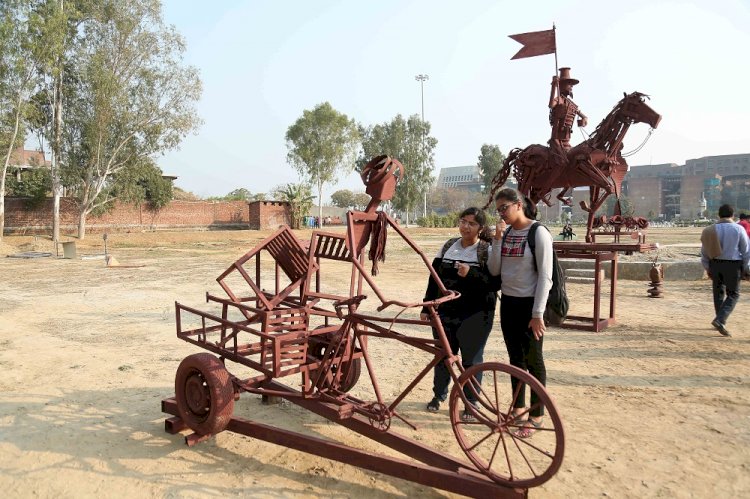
(421, 78)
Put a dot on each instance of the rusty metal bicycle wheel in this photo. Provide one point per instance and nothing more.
(204, 393)
(352, 369)
(488, 437)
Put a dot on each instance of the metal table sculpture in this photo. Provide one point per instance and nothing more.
(273, 334)
(596, 162)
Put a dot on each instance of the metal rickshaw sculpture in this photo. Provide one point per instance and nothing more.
(272, 334)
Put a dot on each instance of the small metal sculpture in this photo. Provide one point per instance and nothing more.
(272, 332)
(656, 274)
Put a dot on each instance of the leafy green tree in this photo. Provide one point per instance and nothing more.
(449, 199)
(54, 26)
(183, 195)
(240, 194)
(361, 200)
(489, 162)
(300, 197)
(142, 183)
(133, 98)
(35, 186)
(17, 75)
(343, 198)
(321, 143)
(408, 141)
(608, 208)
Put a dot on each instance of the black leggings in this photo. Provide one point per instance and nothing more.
(524, 351)
(469, 336)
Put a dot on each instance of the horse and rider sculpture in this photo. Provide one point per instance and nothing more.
(596, 162)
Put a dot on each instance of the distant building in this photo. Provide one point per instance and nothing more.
(670, 191)
(460, 177)
(23, 159)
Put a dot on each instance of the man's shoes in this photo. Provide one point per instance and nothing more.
(433, 405)
(720, 328)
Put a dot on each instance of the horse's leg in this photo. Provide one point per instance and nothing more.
(595, 201)
(597, 177)
(546, 198)
(618, 207)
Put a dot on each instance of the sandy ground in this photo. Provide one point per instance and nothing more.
(657, 405)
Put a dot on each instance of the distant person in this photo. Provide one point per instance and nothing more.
(567, 232)
(725, 256)
(745, 223)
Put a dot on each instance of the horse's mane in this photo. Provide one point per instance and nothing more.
(610, 127)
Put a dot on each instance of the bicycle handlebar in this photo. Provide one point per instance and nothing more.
(452, 295)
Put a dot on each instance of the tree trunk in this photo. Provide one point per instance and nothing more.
(57, 187)
(320, 204)
(55, 170)
(6, 163)
(2, 202)
(82, 225)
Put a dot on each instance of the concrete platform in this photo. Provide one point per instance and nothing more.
(686, 270)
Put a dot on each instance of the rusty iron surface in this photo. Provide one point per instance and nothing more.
(445, 474)
(266, 327)
(597, 162)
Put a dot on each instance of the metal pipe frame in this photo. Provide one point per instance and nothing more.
(438, 471)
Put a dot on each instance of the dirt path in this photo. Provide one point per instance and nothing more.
(657, 405)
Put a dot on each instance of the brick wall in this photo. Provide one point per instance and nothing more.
(177, 214)
(269, 214)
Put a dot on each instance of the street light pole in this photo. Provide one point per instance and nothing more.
(421, 78)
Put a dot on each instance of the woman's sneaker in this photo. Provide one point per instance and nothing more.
(433, 405)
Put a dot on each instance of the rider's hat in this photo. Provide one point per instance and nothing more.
(565, 77)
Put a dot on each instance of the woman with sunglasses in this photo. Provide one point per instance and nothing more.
(526, 282)
(462, 266)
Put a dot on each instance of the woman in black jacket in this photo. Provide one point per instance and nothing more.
(462, 266)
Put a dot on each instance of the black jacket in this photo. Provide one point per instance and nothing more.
(477, 289)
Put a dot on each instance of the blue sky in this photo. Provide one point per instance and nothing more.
(263, 62)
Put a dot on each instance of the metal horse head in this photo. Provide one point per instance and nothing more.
(634, 108)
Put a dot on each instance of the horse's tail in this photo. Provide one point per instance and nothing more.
(502, 175)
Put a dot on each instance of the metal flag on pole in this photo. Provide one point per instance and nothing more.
(536, 43)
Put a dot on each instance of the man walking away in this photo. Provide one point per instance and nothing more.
(725, 256)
